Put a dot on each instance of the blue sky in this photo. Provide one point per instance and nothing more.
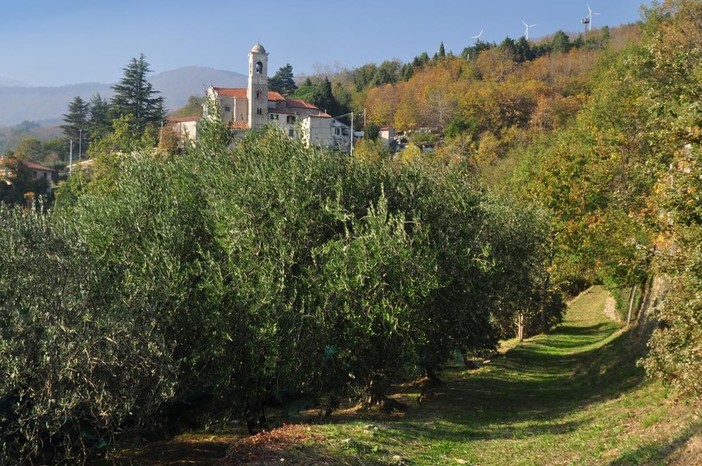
(57, 42)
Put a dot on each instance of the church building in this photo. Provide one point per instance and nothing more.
(255, 106)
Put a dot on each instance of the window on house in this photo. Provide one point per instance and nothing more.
(227, 108)
(259, 111)
(337, 131)
(274, 116)
(291, 133)
(291, 119)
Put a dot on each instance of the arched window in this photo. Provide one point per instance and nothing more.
(259, 67)
(258, 94)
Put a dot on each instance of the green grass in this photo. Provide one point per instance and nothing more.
(575, 396)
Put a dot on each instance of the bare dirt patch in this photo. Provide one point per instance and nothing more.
(610, 309)
(275, 447)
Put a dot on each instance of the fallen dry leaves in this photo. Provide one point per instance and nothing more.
(275, 447)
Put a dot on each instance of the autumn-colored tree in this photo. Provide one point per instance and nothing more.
(672, 88)
(382, 102)
(496, 64)
(430, 98)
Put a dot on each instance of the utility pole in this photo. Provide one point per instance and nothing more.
(70, 158)
(80, 144)
(353, 136)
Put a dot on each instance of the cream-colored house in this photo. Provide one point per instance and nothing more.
(387, 135)
(185, 128)
(37, 172)
(255, 106)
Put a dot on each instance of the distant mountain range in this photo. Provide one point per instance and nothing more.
(47, 105)
(10, 82)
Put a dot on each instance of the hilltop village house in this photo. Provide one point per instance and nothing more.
(255, 106)
(36, 172)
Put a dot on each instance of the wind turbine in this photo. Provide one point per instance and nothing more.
(477, 38)
(526, 31)
(590, 14)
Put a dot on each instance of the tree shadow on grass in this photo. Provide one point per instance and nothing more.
(199, 450)
(528, 390)
(570, 336)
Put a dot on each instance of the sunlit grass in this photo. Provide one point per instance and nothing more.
(573, 397)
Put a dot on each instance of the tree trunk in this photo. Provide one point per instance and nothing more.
(520, 327)
(632, 298)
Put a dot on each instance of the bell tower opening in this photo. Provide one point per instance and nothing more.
(257, 90)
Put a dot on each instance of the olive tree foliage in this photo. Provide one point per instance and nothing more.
(490, 255)
(246, 273)
(76, 368)
(367, 288)
(238, 239)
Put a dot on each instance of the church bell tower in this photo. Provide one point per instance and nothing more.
(257, 91)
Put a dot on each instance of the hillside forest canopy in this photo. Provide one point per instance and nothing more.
(235, 274)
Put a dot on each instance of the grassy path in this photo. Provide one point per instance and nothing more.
(575, 397)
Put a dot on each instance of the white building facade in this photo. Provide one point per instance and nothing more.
(255, 106)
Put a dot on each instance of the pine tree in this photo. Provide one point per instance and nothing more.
(283, 81)
(135, 96)
(442, 50)
(76, 122)
(99, 123)
(324, 99)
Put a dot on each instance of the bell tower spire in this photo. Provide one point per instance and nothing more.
(257, 90)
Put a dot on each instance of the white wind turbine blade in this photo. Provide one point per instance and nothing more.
(527, 27)
(594, 14)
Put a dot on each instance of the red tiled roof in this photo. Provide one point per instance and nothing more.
(30, 165)
(300, 104)
(183, 119)
(240, 93)
(36, 166)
